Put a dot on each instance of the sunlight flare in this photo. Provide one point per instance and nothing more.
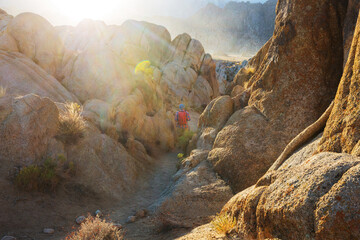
(93, 9)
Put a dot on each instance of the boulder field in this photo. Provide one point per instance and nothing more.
(313, 193)
(124, 80)
(127, 81)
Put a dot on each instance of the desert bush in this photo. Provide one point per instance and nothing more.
(38, 177)
(95, 228)
(223, 223)
(2, 91)
(45, 177)
(184, 139)
(72, 124)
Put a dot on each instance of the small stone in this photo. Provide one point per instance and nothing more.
(8, 238)
(98, 213)
(131, 219)
(80, 220)
(118, 225)
(141, 213)
(49, 230)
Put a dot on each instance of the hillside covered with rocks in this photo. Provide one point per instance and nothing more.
(275, 154)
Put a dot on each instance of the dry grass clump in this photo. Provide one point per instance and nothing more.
(2, 91)
(223, 223)
(95, 228)
(72, 124)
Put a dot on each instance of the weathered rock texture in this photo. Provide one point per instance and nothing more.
(349, 25)
(27, 125)
(29, 129)
(342, 129)
(189, 73)
(38, 40)
(103, 68)
(284, 97)
(21, 76)
(307, 198)
(195, 196)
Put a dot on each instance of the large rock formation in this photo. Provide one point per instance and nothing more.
(341, 132)
(311, 195)
(307, 198)
(27, 125)
(103, 69)
(38, 40)
(296, 76)
(20, 76)
(195, 195)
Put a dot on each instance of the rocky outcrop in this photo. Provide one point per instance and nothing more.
(341, 132)
(284, 99)
(37, 39)
(303, 137)
(29, 128)
(27, 125)
(189, 74)
(212, 120)
(236, 148)
(298, 198)
(349, 25)
(103, 69)
(7, 42)
(195, 196)
(225, 74)
(21, 76)
(103, 166)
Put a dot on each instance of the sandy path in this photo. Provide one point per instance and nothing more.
(149, 190)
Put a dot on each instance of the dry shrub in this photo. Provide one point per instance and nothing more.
(95, 228)
(2, 91)
(72, 124)
(223, 223)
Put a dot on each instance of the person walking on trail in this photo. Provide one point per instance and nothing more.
(182, 117)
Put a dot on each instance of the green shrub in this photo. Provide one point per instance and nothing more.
(223, 223)
(72, 125)
(184, 139)
(96, 229)
(38, 178)
(45, 177)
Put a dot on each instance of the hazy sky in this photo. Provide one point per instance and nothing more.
(60, 12)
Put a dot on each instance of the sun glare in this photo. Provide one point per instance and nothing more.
(77, 10)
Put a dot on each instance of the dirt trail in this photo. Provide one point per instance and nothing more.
(149, 190)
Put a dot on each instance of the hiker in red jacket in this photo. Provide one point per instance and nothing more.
(182, 117)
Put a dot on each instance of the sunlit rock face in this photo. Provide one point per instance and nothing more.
(100, 61)
(342, 129)
(36, 38)
(21, 76)
(93, 62)
(284, 97)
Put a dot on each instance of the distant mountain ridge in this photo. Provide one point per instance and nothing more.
(238, 27)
